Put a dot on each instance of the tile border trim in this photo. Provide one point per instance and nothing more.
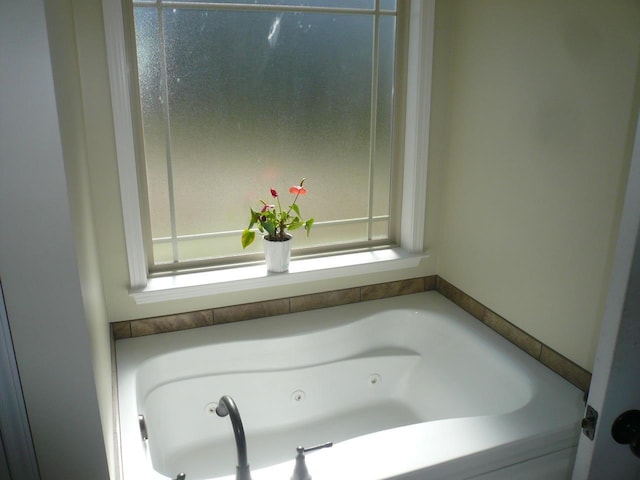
(544, 354)
(564, 367)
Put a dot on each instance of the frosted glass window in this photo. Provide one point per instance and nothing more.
(235, 101)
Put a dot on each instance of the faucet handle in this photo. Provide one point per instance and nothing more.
(181, 476)
(300, 471)
(317, 447)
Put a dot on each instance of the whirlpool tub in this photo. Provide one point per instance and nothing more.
(410, 387)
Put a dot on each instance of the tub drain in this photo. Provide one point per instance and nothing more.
(374, 379)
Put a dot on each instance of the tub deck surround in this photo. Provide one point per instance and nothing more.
(249, 311)
(541, 352)
(409, 387)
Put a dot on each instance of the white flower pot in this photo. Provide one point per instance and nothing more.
(277, 254)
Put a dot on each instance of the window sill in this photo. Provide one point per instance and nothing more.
(191, 285)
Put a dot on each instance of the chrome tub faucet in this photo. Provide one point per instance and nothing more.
(226, 406)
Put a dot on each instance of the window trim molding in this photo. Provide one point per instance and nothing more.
(417, 116)
(251, 277)
(416, 145)
(119, 80)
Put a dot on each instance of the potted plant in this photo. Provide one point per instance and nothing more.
(274, 222)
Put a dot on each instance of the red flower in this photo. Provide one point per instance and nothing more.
(273, 221)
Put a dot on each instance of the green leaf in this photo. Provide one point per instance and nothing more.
(296, 209)
(247, 237)
(308, 224)
(270, 228)
(255, 216)
(295, 224)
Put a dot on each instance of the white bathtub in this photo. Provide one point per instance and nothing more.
(410, 387)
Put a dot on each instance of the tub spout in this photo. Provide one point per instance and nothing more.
(226, 406)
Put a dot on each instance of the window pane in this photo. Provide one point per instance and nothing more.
(150, 84)
(257, 100)
(388, 5)
(384, 129)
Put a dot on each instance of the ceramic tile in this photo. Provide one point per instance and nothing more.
(564, 367)
(392, 289)
(460, 298)
(325, 299)
(430, 283)
(120, 330)
(249, 311)
(518, 337)
(561, 365)
(171, 323)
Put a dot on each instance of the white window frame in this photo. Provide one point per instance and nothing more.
(146, 289)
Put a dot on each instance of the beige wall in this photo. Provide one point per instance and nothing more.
(542, 101)
(57, 331)
(529, 146)
(71, 98)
